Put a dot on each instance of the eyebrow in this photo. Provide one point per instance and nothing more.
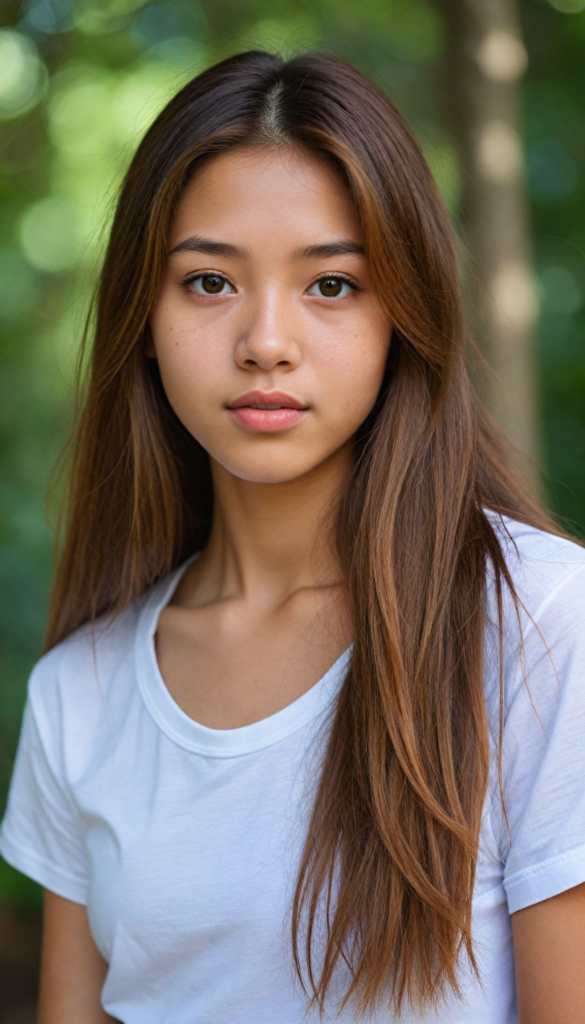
(197, 244)
(341, 247)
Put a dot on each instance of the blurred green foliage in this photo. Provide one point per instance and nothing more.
(80, 80)
(554, 103)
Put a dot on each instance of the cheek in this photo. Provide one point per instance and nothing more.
(190, 379)
(190, 363)
(354, 371)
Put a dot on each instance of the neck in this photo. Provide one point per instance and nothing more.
(273, 539)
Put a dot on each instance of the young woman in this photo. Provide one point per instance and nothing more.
(308, 738)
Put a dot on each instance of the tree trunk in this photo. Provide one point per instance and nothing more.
(485, 60)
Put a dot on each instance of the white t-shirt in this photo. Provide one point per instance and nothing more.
(184, 841)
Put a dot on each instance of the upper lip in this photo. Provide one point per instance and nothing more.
(263, 398)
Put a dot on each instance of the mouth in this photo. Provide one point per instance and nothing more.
(267, 412)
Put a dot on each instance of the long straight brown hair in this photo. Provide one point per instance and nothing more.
(391, 851)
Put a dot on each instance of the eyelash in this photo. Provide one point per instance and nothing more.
(206, 273)
(335, 276)
(322, 277)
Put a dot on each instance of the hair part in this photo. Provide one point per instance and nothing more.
(389, 862)
(270, 129)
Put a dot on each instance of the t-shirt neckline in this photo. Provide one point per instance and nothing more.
(198, 738)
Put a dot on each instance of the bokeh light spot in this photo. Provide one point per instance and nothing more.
(502, 56)
(23, 76)
(49, 236)
(514, 294)
(568, 6)
(499, 152)
(81, 117)
(49, 16)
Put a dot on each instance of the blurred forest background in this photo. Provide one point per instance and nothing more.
(79, 82)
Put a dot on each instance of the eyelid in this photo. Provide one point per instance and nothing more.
(207, 273)
(338, 274)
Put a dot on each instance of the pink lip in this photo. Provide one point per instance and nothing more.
(267, 420)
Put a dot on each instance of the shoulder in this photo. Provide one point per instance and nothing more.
(543, 632)
(83, 666)
(90, 677)
(545, 569)
(84, 693)
(80, 692)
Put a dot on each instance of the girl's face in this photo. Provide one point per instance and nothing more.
(270, 340)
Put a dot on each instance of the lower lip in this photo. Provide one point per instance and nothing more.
(267, 421)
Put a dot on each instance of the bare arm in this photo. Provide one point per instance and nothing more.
(72, 970)
(549, 954)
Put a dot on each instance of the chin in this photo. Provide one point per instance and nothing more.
(266, 470)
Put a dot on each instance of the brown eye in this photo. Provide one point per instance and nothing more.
(212, 284)
(330, 286)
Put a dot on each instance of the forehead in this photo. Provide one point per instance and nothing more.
(255, 190)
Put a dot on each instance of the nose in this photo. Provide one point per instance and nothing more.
(268, 340)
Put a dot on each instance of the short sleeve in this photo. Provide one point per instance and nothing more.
(543, 752)
(41, 834)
